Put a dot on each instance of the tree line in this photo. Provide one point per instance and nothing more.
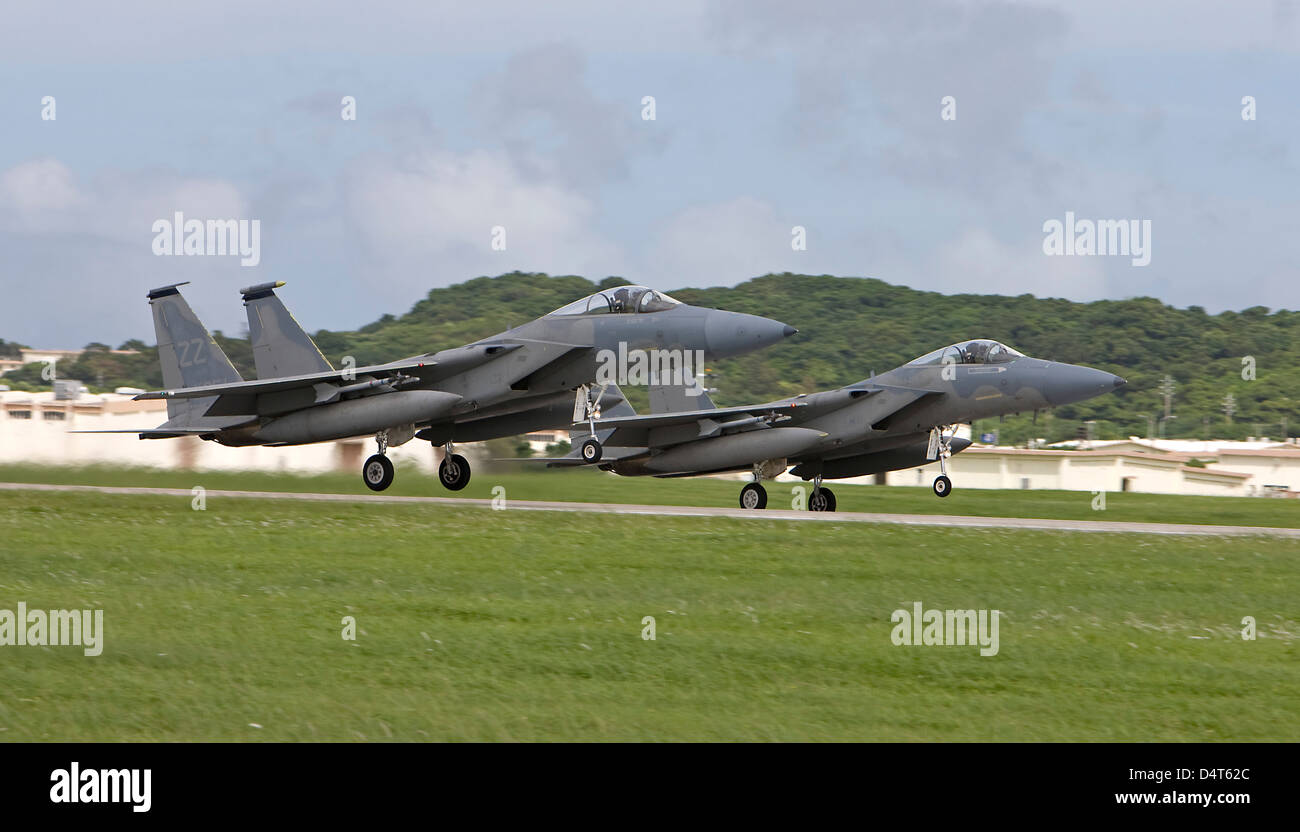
(1227, 375)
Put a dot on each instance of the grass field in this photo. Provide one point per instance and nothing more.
(474, 624)
(596, 486)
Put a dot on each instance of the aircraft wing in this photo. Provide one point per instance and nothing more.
(684, 417)
(665, 429)
(272, 385)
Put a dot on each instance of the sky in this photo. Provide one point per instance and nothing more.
(529, 117)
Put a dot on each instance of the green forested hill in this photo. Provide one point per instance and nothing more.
(852, 326)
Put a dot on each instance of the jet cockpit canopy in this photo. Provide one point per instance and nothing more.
(978, 351)
(620, 300)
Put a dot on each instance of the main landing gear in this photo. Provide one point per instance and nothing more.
(453, 471)
(942, 485)
(753, 496)
(822, 499)
(378, 473)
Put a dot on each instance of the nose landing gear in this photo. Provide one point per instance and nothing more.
(585, 410)
(940, 447)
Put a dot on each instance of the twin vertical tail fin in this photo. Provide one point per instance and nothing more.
(187, 352)
(280, 345)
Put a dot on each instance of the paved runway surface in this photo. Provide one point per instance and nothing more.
(965, 522)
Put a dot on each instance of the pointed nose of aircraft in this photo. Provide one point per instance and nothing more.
(1066, 383)
(733, 333)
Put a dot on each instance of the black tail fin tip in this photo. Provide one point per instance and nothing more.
(164, 291)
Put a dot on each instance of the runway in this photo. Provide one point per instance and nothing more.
(953, 521)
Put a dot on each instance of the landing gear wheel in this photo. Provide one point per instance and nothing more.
(591, 450)
(453, 472)
(942, 486)
(753, 496)
(377, 473)
(823, 499)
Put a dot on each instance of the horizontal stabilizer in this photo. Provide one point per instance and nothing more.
(156, 433)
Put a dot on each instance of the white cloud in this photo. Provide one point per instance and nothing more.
(437, 209)
(975, 262)
(85, 249)
(721, 244)
(43, 196)
(33, 195)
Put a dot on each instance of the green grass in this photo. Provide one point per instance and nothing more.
(483, 625)
(595, 486)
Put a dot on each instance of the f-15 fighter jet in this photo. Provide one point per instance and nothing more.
(514, 382)
(896, 420)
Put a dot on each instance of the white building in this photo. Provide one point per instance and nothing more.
(1096, 470)
(1215, 468)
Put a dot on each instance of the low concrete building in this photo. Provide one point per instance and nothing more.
(1127, 465)
(1096, 470)
(1272, 470)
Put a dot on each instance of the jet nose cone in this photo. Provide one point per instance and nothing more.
(1067, 383)
(733, 333)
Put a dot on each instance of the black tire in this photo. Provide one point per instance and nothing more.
(453, 472)
(942, 486)
(753, 496)
(591, 450)
(822, 499)
(377, 473)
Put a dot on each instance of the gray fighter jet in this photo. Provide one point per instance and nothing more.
(896, 420)
(517, 381)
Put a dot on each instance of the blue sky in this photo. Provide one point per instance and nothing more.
(529, 116)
